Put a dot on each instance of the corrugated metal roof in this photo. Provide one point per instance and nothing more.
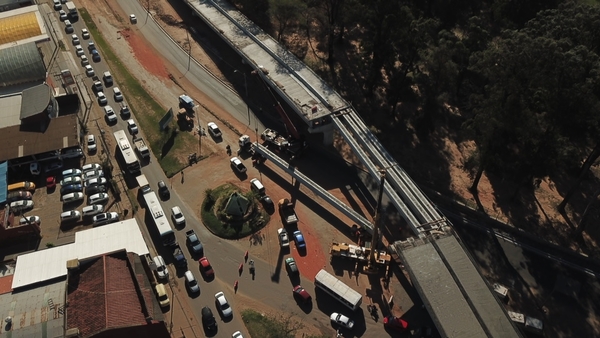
(21, 64)
(3, 181)
(51, 263)
(19, 27)
(35, 100)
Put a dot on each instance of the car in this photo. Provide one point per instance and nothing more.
(57, 5)
(177, 216)
(18, 195)
(70, 180)
(98, 198)
(267, 203)
(208, 319)
(110, 114)
(161, 295)
(223, 305)
(214, 130)
(34, 168)
(191, 282)
(395, 323)
(238, 165)
(72, 197)
(91, 143)
(72, 153)
(133, 18)
(206, 268)
(290, 263)
(53, 167)
(92, 210)
(71, 172)
(133, 129)
(284, 240)
(161, 268)
(91, 46)
(71, 188)
(71, 215)
(95, 55)
(91, 167)
(105, 218)
(95, 181)
(237, 334)
(299, 239)
(84, 59)
(107, 77)
(117, 94)
(97, 86)
(88, 175)
(193, 242)
(163, 190)
(62, 15)
(125, 112)
(102, 101)
(75, 40)
(79, 52)
(50, 182)
(301, 294)
(30, 220)
(95, 189)
(85, 34)
(342, 320)
(89, 71)
(69, 27)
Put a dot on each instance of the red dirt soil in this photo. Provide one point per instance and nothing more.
(145, 54)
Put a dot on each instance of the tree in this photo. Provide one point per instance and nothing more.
(285, 12)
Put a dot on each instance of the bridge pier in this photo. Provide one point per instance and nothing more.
(328, 137)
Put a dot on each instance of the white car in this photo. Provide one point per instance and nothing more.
(214, 130)
(110, 114)
(102, 99)
(105, 218)
(133, 129)
(91, 143)
(92, 210)
(342, 320)
(91, 167)
(85, 34)
(57, 5)
(133, 18)
(71, 172)
(238, 165)
(237, 334)
(70, 180)
(161, 268)
(223, 304)
(70, 215)
(95, 181)
(177, 215)
(72, 197)
(93, 174)
(75, 40)
(117, 94)
(79, 51)
(98, 198)
(62, 15)
(30, 220)
(89, 71)
(284, 240)
(84, 59)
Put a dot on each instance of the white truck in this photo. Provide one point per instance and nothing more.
(141, 147)
(72, 11)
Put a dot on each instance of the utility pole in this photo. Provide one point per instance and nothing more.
(187, 31)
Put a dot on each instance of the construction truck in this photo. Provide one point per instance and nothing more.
(272, 137)
(245, 144)
(141, 147)
(358, 253)
(286, 210)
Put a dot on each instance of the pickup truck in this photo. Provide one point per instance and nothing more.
(286, 210)
(179, 257)
(194, 242)
(141, 147)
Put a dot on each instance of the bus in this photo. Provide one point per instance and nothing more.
(161, 222)
(338, 290)
(126, 153)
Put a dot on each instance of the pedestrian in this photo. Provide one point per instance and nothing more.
(182, 176)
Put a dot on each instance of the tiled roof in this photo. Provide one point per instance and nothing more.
(104, 294)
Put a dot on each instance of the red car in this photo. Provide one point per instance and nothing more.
(206, 268)
(301, 294)
(395, 323)
(50, 182)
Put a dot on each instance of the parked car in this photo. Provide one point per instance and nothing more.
(21, 205)
(71, 188)
(72, 197)
(34, 168)
(98, 198)
(206, 268)
(238, 165)
(53, 166)
(395, 323)
(30, 220)
(92, 210)
(50, 182)
(177, 216)
(97, 87)
(342, 320)
(57, 5)
(133, 129)
(102, 101)
(62, 15)
(95, 181)
(84, 59)
(18, 195)
(105, 218)
(291, 266)
(299, 239)
(214, 130)
(75, 40)
(85, 34)
(237, 334)
(111, 117)
(91, 143)
(161, 295)
(161, 268)
(70, 180)
(69, 27)
(267, 203)
(223, 305)
(72, 153)
(93, 174)
(89, 71)
(191, 282)
(79, 52)
(71, 172)
(301, 294)
(163, 190)
(208, 319)
(71, 215)
(94, 189)
(91, 167)
(284, 240)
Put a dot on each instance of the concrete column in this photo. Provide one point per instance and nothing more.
(328, 137)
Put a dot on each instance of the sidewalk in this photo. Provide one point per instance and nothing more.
(177, 319)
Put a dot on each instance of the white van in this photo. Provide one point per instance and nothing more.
(161, 268)
(191, 282)
(257, 187)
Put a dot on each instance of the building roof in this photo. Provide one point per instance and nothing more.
(106, 293)
(18, 141)
(3, 181)
(456, 295)
(35, 100)
(21, 26)
(21, 64)
(11, 110)
(44, 265)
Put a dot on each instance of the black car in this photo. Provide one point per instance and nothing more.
(208, 319)
(71, 188)
(163, 191)
(267, 203)
(94, 189)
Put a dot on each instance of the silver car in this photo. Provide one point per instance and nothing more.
(98, 198)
